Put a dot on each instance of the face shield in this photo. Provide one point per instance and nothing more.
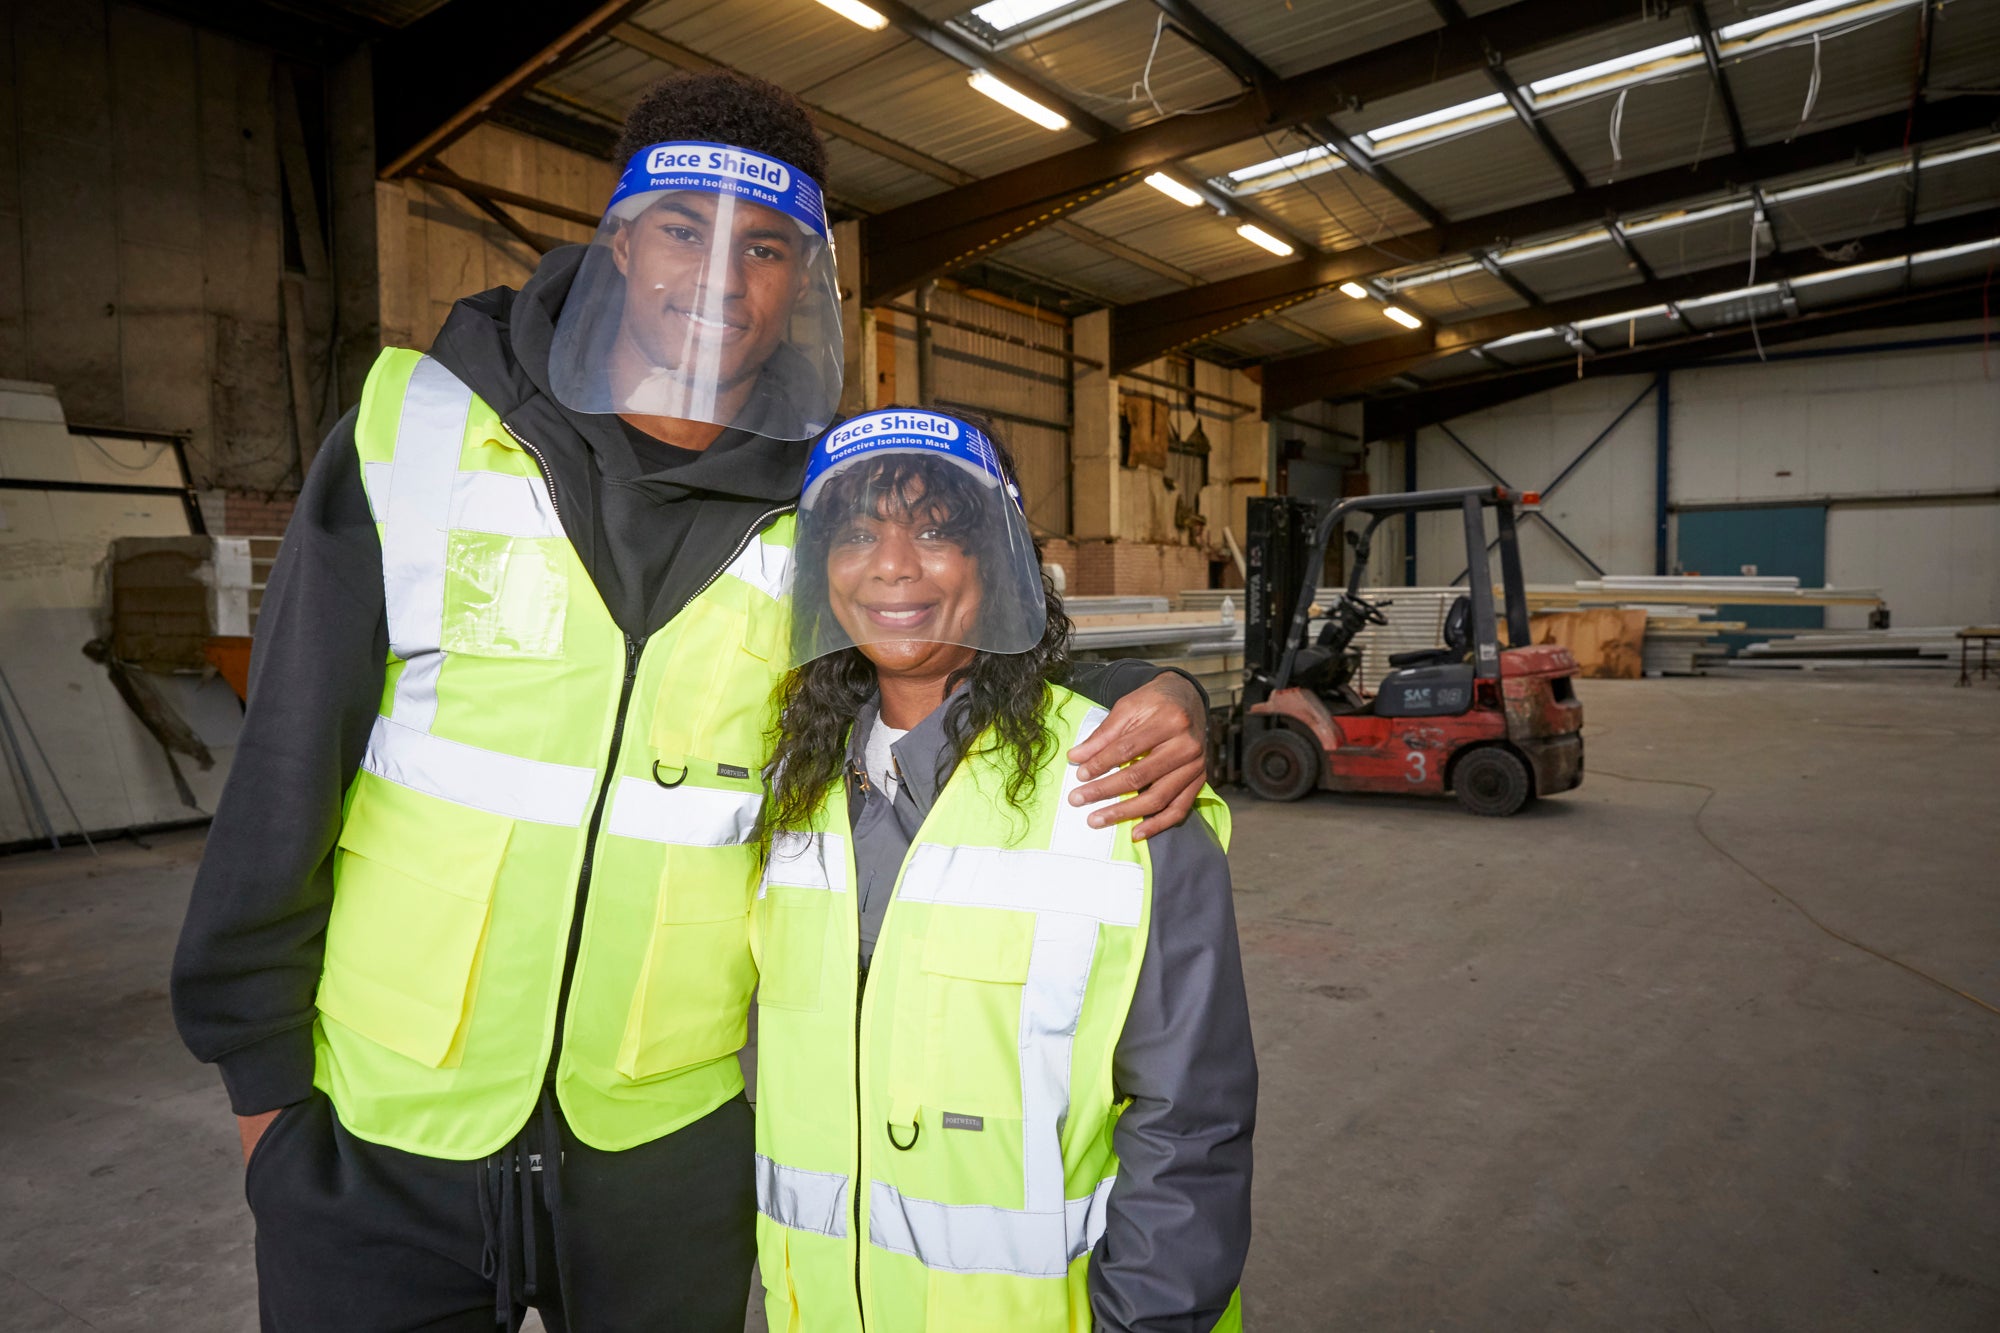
(909, 531)
(708, 294)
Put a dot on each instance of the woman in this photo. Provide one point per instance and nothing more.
(1005, 1078)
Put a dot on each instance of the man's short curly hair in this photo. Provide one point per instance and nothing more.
(722, 106)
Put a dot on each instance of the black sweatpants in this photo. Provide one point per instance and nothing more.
(353, 1237)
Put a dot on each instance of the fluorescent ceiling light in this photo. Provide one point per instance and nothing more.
(1354, 289)
(1851, 271)
(1258, 236)
(1305, 163)
(1173, 189)
(856, 12)
(1402, 316)
(1018, 102)
(1000, 15)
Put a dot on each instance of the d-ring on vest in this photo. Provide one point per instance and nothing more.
(519, 733)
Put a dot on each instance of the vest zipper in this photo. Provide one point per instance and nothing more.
(548, 477)
(632, 650)
(749, 535)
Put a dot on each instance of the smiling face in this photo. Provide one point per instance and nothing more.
(710, 295)
(902, 584)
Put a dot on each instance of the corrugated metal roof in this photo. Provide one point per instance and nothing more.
(1575, 272)
(1662, 126)
(1305, 34)
(1965, 52)
(1099, 62)
(1480, 172)
(1861, 73)
(1339, 209)
(1460, 297)
(1957, 186)
(1070, 263)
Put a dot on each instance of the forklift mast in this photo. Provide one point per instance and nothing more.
(1288, 541)
(1277, 570)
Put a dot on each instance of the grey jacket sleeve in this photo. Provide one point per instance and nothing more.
(1179, 1216)
(1108, 682)
(246, 971)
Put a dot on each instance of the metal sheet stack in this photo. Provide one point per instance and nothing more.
(1936, 647)
(1198, 639)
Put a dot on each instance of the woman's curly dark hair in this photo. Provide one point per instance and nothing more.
(723, 106)
(1007, 693)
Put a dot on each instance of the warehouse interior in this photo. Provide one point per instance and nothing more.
(1703, 290)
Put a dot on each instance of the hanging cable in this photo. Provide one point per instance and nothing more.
(1812, 94)
(1618, 129)
(1757, 225)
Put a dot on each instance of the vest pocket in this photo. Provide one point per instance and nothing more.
(692, 1000)
(413, 881)
(975, 960)
(792, 930)
(504, 596)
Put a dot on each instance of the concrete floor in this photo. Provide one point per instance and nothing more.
(1575, 1070)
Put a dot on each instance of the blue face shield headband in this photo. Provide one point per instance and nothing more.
(910, 531)
(708, 294)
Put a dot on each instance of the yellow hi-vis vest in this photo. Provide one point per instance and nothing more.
(524, 741)
(968, 1139)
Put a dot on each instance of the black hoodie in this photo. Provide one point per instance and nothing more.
(652, 524)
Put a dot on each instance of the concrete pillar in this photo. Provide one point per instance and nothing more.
(1094, 438)
(857, 323)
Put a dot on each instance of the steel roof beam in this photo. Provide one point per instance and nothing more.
(1388, 418)
(928, 237)
(1146, 329)
(1239, 60)
(1346, 371)
(439, 77)
(1504, 83)
(1712, 55)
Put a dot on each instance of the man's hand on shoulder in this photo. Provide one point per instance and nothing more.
(1154, 746)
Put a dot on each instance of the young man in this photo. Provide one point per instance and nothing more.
(469, 943)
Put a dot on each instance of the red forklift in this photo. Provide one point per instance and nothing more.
(1495, 726)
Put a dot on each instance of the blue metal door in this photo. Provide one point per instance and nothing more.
(1788, 540)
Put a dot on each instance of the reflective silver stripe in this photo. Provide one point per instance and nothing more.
(499, 503)
(415, 526)
(494, 502)
(765, 566)
(1073, 834)
(976, 1238)
(802, 1200)
(807, 861)
(375, 479)
(505, 784)
(1024, 880)
(683, 816)
(1051, 1007)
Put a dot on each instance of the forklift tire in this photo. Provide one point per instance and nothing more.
(1280, 765)
(1492, 781)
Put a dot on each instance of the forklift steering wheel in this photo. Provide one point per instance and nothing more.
(1371, 612)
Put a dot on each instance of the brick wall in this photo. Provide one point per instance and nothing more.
(1137, 569)
(252, 514)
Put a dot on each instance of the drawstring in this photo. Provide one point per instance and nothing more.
(509, 1181)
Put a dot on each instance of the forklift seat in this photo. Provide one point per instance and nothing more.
(1457, 638)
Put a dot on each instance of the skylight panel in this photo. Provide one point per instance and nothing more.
(1003, 15)
(1624, 317)
(1737, 294)
(1605, 76)
(1830, 13)
(1307, 162)
(1513, 338)
(1955, 251)
(1435, 125)
(1682, 217)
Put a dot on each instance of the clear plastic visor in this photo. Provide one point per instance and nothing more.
(706, 306)
(904, 550)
